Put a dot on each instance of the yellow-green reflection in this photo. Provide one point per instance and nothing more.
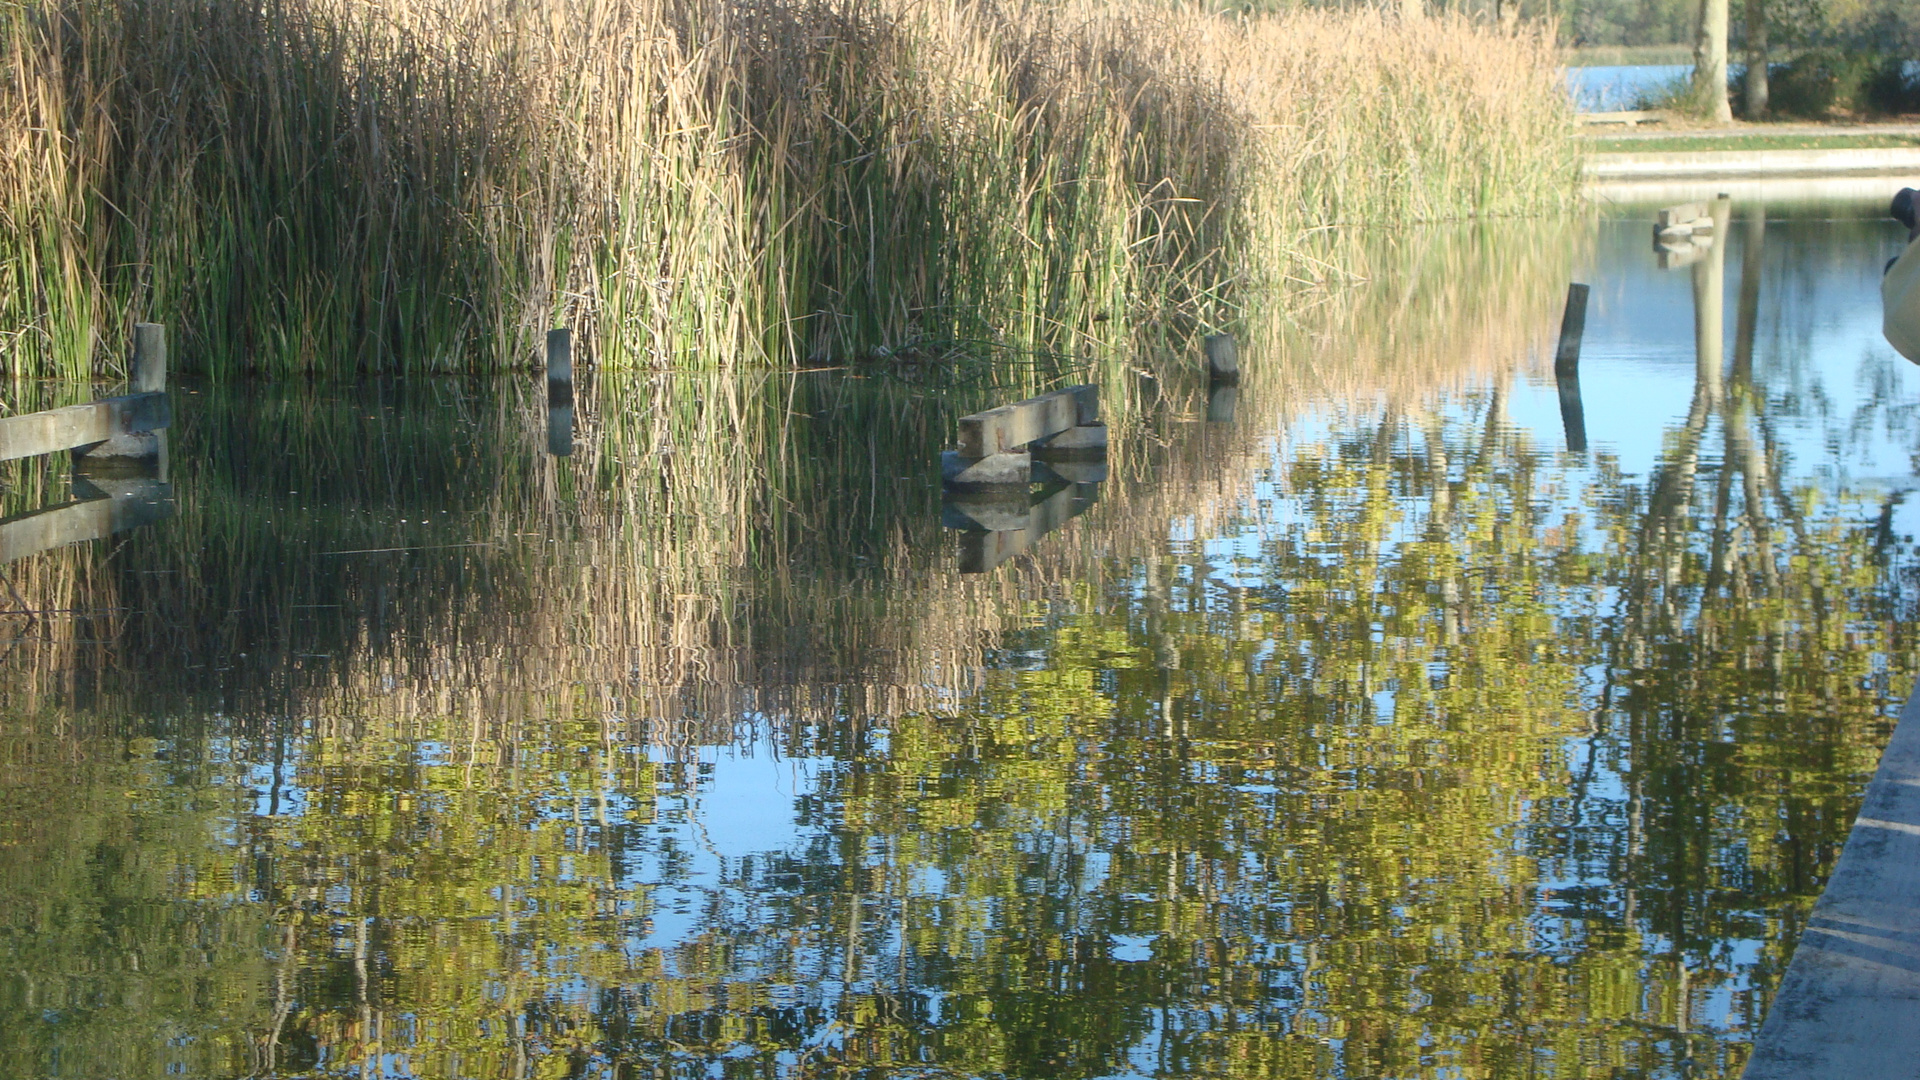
(1370, 735)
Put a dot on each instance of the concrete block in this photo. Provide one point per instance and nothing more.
(1011, 427)
(1081, 440)
(962, 472)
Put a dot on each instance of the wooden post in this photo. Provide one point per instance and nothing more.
(1566, 367)
(147, 374)
(560, 367)
(560, 392)
(1223, 358)
(1573, 324)
(136, 444)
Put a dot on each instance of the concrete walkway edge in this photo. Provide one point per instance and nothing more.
(1703, 164)
(1849, 1006)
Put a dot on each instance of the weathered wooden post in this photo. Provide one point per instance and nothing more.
(560, 392)
(146, 374)
(1223, 358)
(1573, 324)
(1566, 367)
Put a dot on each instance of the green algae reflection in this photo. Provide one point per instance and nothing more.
(1374, 734)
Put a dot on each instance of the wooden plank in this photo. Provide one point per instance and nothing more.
(1010, 427)
(55, 430)
(1683, 214)
(127, 505)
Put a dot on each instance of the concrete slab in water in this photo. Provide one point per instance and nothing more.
(1849, 1007)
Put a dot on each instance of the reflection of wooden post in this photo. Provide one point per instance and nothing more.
(1221, 402)
(1573, 415)
(560, 392)
(1566, 367)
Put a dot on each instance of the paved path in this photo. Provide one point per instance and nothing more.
(1707, 164)
(1849, 1007)
(1743, 131)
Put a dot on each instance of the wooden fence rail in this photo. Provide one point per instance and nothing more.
(119, 457)
(115, 427)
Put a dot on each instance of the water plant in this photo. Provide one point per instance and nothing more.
(331, 186)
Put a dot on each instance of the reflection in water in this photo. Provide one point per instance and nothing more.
(996, 527)
(1368, 735)
(1566, 368)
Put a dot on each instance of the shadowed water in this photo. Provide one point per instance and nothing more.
(1369, 732)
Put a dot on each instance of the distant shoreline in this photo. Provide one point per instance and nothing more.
(1626, 55)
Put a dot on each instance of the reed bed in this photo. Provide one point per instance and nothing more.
(333, 186)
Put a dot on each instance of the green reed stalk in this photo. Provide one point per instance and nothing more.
(333, 186)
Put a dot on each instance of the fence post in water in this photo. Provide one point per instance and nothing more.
(1566, 367)
(146, 374)
(560, 392)
(149, 368)
(1223, 358)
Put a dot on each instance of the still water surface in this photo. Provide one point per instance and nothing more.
(1608, 88)
(1371, 733)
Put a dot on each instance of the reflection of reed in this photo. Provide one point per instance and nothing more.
(718, 547)
(746, 557)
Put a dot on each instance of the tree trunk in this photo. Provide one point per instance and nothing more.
(1757, 88)
(1710, 61)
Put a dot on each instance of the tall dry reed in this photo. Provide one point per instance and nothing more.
(326, 186)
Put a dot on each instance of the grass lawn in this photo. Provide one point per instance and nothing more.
(1680, 142)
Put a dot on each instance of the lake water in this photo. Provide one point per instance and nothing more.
(1369, 732)
(1616, 87)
